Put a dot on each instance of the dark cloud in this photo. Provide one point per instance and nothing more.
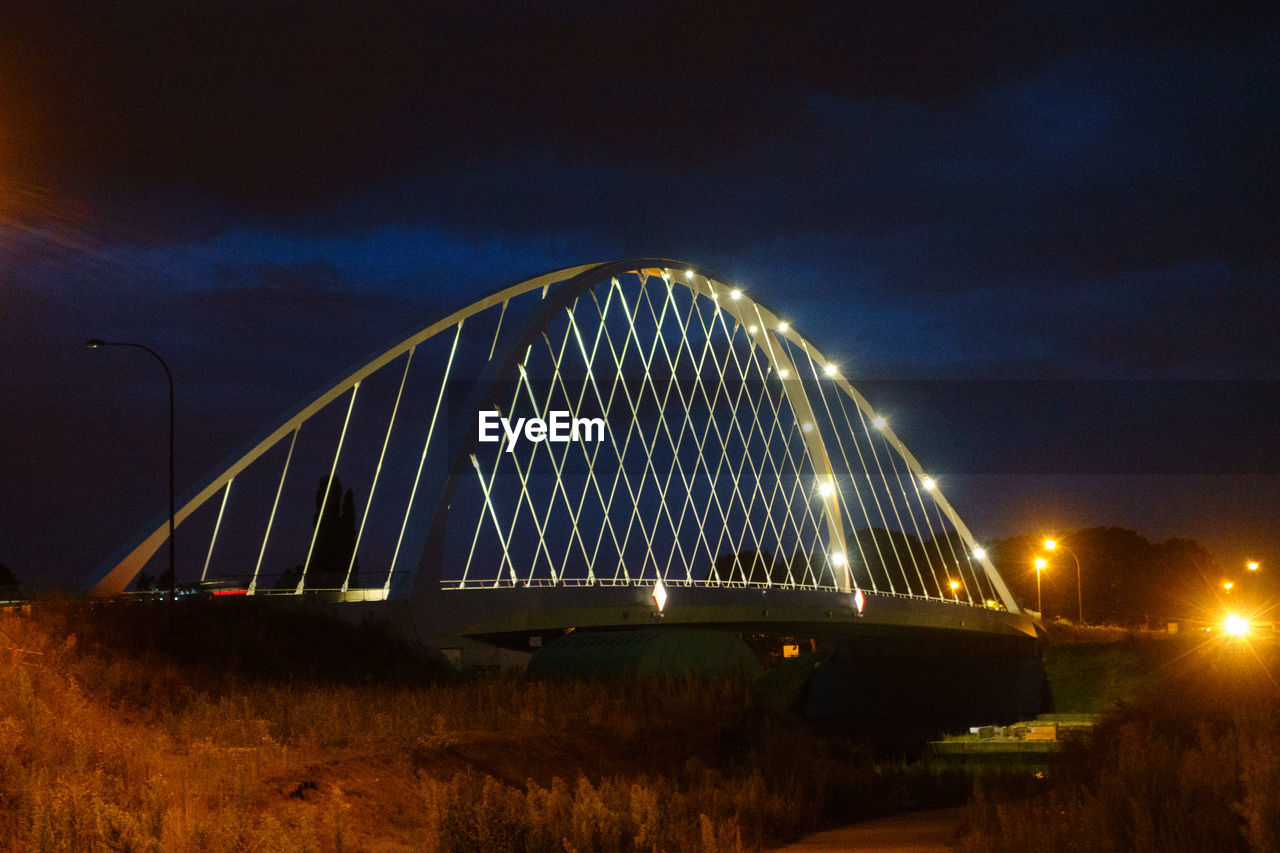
(266, 192)
(270, 107)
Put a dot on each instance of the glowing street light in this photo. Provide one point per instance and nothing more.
(827, 488)
(1252, 565)
(955, 590)
(1227, 585)
(879, 422)
(830, 369)
(979, 553)
(784, 326)
(1041, 564)
(1052, 545)
(1236, 626)
(929, 484)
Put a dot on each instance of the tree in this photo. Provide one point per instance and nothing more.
(1125, 578)
(754, 566)
(9, 586)
(334, 536)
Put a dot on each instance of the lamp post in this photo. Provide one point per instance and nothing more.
(1041, 562)
(95, 344)
(1052, 544)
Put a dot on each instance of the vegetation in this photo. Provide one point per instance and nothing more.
(9, 587)
(1189, 761)
(1126, 578)
(147, 726)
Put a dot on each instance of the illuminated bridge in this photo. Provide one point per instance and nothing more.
(740, 478)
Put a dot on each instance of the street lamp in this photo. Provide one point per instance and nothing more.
(1052, 544)
(95, 344)
(1041, 562)
(1252, 565)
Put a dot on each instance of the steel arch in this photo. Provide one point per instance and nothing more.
(780, 347)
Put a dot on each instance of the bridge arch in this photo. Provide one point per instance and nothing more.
(736, 456)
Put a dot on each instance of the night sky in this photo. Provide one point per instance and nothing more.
(1042, 237)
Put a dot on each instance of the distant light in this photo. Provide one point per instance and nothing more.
(1049, 544)
(879, 422)
(979, 553)
(838, 558)
(753, 328)
(808, 427)
(688, 274)
(1227, 585)
(736, 293)
(928, 484)
(1252, 565)
(659, 595)
(1237, 626)
(1041, 562)
(784, 373)
(991, 602)
(955, 585)
(827, 489)
(830, 370)
(784, 326)
(859, 600)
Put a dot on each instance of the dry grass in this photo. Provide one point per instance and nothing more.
(1192, 764)
(148, 729)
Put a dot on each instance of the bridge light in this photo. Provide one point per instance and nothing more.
(830, 369)
(753, 328)
(1252, 565)
(784, 326)
(879, 422)
(979, 553)
(736, 293)
(827, 488)
(991, 602)
(955, 587)
(808, 426)
(659, 595)
(1227, 585)
(929, 484)
(838, 558)
(688, 274)
(784, 373)
(1041, 563)
(859, 600)
(1050, 544)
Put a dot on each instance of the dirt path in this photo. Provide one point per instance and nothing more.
(916, 832)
